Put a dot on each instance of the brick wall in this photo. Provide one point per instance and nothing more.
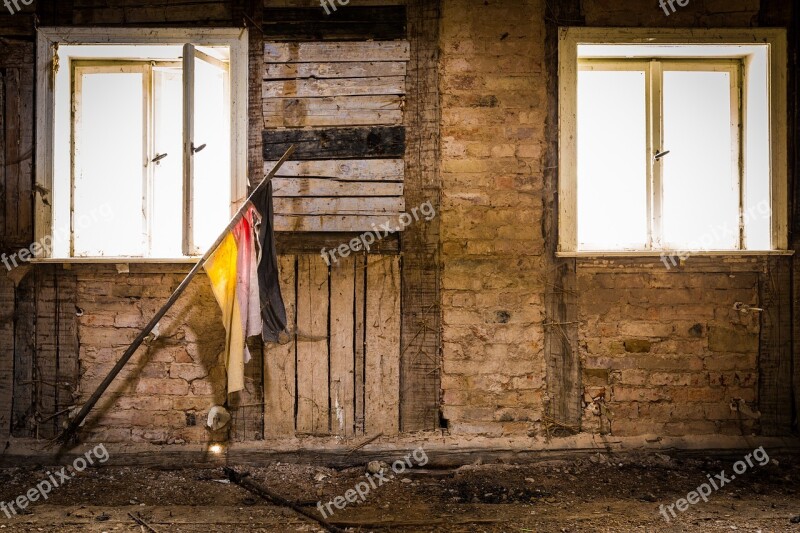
(493, 93)
(660, 351)
(178, 375)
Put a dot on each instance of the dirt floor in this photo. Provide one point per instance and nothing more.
(593, 493)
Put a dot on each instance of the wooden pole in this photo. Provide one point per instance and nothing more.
(259, 490)
(71, 430)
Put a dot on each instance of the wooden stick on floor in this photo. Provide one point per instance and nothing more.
(258, 490)
(71, 430)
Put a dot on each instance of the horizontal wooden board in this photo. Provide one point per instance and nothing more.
(346, 13)
(381, 110)
(333, 87)
(339, 22)
(357, 223)
(345, 170)
(312, 243)
(327, 70)
(303, 187)
(322, 31)
(376, 142)
(340, 51)
(339, 206)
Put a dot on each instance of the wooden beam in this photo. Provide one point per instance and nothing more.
(376, 142)
(345, 170)
(328, 70)
(307, 187)
(314, 88)
(344, 51)
(334, 223)
(339, 206)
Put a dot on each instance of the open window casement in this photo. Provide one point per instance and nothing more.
(142, 146)
(206, 148)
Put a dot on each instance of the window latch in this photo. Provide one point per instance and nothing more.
(659, 155)
(157, 159)
(198, 149)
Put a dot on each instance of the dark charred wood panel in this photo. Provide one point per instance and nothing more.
(337, 143)
(345, 23)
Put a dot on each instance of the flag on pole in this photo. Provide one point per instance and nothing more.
(243, 271)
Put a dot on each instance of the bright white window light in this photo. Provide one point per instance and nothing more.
(109, 163)
(612, 166)
(167, 180)
(700, 181)
(118, 145)
(212, 189)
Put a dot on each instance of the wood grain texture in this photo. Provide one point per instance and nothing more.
(360, 340)
(420, 372)
(328, 70)
(377, 142)
(339, 206)
(344, 170)
(342, 387)
(280, 362)
(313, 409)
(334, 223)
(775, 384)
(346, 22)
(393, 85)
(345, 51)
(308, 187)
(382, 367)
(332, 111)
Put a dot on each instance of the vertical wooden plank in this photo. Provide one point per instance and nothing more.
(342, 347)
(775, 348)
(280, 360)
(46, 355)
(24, 338)
(359, 340)
(6, 354)
(313, 409)
(12, 105)
(420, 337)
(24, 211)
(382, 372)
(3, 185)
(68, 349)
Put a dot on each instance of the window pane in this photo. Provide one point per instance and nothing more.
(212, 167)
(167, 199)
(612, 160)
(109, 165)
(701, 191)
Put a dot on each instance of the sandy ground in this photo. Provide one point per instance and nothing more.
(597, 493)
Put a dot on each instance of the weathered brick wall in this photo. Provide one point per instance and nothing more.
(493, 91)
(660, 351)
(179, 375)
(665, 351)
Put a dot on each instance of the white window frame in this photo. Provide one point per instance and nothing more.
(48, 40)
(728, 44)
